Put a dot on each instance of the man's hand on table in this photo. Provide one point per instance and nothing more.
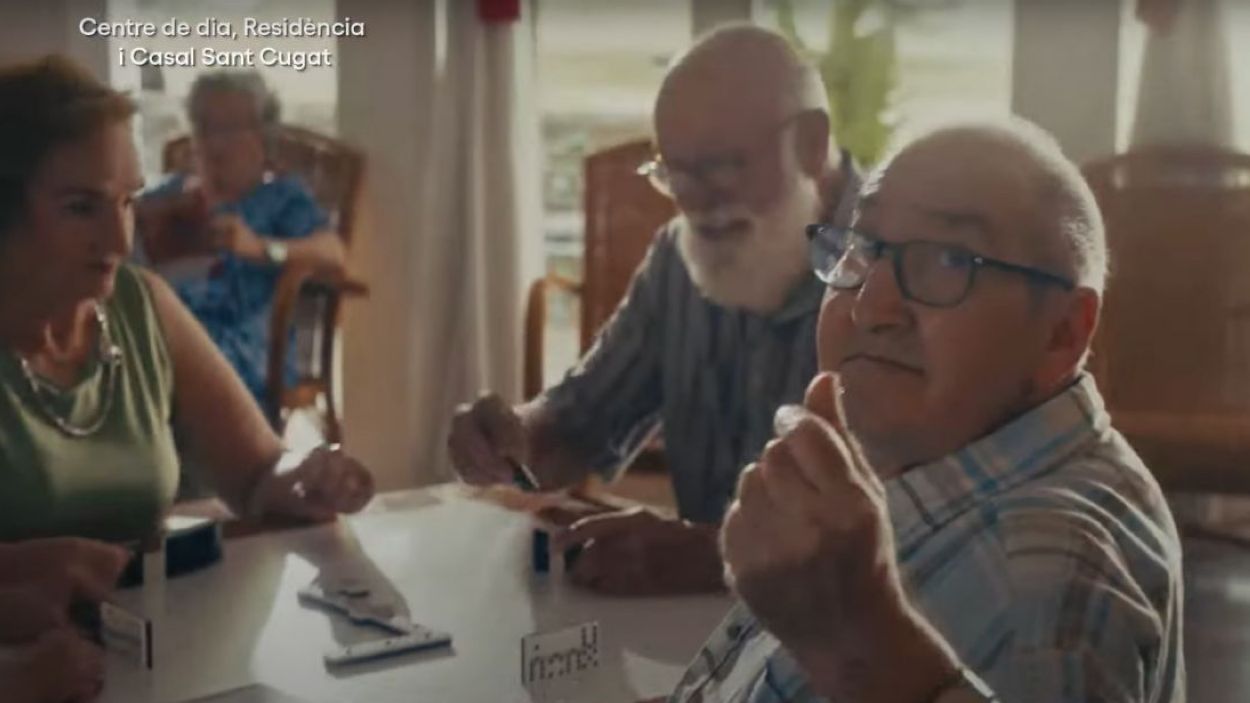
(625, 552)
(487, 441)
(639, 553)
(808, 547)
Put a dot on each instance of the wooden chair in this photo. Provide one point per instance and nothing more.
(306, 299)
(622, 213)
(1172, 356)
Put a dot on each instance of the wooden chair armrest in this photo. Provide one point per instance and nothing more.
(1209, 453)
(341, 283)
(564, 283)
(337, 280)
(292, 280)
(535, 323)
(532, 339)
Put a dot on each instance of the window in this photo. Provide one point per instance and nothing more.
(954, 57)
(308, 97)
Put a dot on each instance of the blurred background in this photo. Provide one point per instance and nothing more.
(473, 135)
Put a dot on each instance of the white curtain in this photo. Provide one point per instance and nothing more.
(444, 107)
(1184, 95)
(482, 240)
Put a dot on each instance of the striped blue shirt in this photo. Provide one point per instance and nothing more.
(712, 377)
(1043, 552)
(708, 376)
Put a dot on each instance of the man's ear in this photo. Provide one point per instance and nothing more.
(811, 142)
(1071, 334)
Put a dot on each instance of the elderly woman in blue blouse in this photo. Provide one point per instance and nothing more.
(233, 204)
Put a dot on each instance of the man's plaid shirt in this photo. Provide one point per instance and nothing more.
(1043, 552)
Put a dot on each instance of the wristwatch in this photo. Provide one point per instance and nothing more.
(965, 687)
(276, 253)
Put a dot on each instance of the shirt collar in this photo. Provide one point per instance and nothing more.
(804, 299)
(923, 499)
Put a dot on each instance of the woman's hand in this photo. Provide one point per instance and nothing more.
(60, 666)
(26, 612)
(231, 233)
(63, 569)
(173, 225)
(326, 483)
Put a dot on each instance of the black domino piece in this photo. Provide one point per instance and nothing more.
(541, 553)
(571, 554)
(85, 615)
(132, 574)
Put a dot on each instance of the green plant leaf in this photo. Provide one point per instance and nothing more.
(859, 67)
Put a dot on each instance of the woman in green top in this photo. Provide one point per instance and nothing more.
(100, 363)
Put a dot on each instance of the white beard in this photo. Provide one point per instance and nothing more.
(757, 270)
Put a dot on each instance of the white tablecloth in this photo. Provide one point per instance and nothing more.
(461, 566)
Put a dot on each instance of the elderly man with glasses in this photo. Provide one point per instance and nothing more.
(718, 327)
(950, 515)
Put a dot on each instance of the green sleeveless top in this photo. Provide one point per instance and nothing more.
(115, 483)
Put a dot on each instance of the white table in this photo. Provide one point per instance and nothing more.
(460, 565)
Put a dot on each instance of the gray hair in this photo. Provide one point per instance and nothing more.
(1065, 203)
(798, 81)
(268, 109)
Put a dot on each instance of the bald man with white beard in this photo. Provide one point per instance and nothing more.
(716, 331)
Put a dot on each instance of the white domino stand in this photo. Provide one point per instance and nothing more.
(461, 566)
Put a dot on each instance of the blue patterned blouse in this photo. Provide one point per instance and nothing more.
(234, 299)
